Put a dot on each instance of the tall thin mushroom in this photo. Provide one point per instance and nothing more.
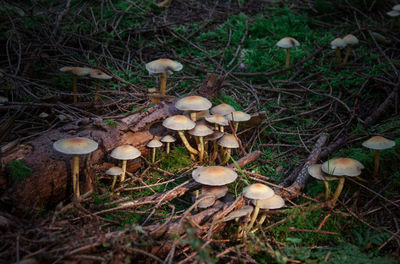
(200, 131)
(337, 44)
(154, 144)
(350, 40)
(168, 139)
(98, 75)
(125, 153)
(287, 43)
(76, 71)
(316, 172)
(228, 141)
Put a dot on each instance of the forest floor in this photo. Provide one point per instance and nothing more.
(236, 41)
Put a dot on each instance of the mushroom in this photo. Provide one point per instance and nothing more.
(75, 147)
(207, 200)
(76, 71)
(114, 171)
(213, 137)
(168, 139)
(193, 104)
(125, 153)
(217, 191)
(229, 142)
(341, 167)
(349, 40)
(236, 117)
(222, 109)
(274, 202)
(161, 67)
(393, 14)
(154, 144)
(378, 143)
(316, 172)
(235, 215)
(257, 191)
(180, 123)
(99, 75)
(337, 44)
(219, 121)
(201, 131)
(287, 43)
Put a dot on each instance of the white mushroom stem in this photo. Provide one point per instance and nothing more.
(255, 214)
(114, 182)
(338, 56)
(236, 126)
(287, 58)
(227, 157)
(221, 128)
(168, 147)
(163, 83)
(201, 144)
(338, 190)
(123, 171)
(96, 96)
(186, 143)
(346, 57)
(75, 89)
(75, 175)
(327, 190)
(153, 155)
(376, 167)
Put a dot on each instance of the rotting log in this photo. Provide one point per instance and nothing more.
(50, 181)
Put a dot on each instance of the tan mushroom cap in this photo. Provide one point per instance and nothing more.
(125, 152)
(287, 43)
(393, 13)
(396, 7)
(178, 122)
(193, 103)
(98, 74)
(200, 130)
(245, 210)
(75, 146)
(228, 141)
(350, 40)
(222, 109)
(214, 175)
(258, 191)
(342, 167)
(316, 172)
(338, 43)
(273, 202)
(163, 65)
(154, 143)
(215, 135)
(168, 139)
(217, 119)
(114, 171)
(217, 191)
(379, 143)
(238, 116)
(80, 71)
(208, 201)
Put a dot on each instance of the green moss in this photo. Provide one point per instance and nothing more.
(111, 123)
(18, 171)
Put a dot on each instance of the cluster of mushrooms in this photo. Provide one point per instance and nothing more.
(340, 43)
(340, 168)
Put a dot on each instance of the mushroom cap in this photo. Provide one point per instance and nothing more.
(396, 7)
(228, 141)
(75, 146)
(207, 202)
(154, 143)
(273, 202)
(168, 139)
(80, 71)
(125, 152)
(287, 43)
(258, 191)
(163, 65)
(178, 122)
(350, 40)
(3, 99)
(238, 116)
(200, 130)
(338, 43)
(379, 143)
(342, 167)
(199, 114)
(316, 172)
(217, 119)
(217, 191)
(214, 136)
(193, 103)
(222, 109)
(98, 74)
(114, 171)
(393, 13)
(245, 210)
(214, 175)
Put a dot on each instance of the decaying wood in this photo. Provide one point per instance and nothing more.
(211, 85)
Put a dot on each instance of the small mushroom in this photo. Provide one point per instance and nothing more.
(287, 43)
(206, 200)
(394, 14)
(200, 131)
(99, 75)
(378, 143)
(218, 120)
(236, 117)
(316, 172)
(168, 139)
(76, 71)
(235, 215)
(114, 171)
(154, 144)
(217, 191)
(214, 137)
(193, 104)
(228, 141)
(274, 202)
(125, 153)
(350, 40)
(222, 109)
(75, 147)
(337, 44)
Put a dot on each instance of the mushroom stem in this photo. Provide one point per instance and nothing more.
(186, 143)
(75, 89)
(376, 167)
(338, 56)
(124, 170)
(255, 214)
(338, 190)
(327, 190)
(262, 219)
(287, 58)
(96, 96)
(236, 126)
(227, 157)
(163, 83)
(346, 57)
(193, 116)
(75, 175)
(153, 155)
(201, 144)
(221, 128)
(215, 150)
(168, 148)
(114, 182)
